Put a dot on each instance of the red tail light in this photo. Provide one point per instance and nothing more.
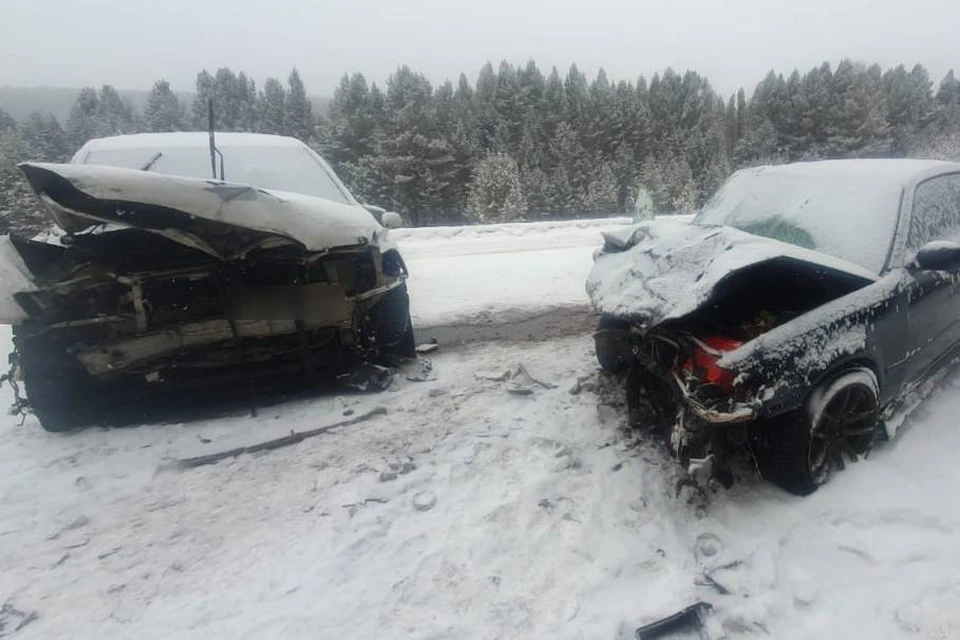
(703, 361)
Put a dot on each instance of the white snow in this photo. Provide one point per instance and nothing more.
(524, 517)
(490, 274)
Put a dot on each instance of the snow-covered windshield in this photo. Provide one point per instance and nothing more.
(849, 214)
(281, 168)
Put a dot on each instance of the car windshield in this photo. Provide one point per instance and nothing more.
(282, 168)
(849, 214)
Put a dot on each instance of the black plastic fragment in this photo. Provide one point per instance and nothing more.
(685, 620)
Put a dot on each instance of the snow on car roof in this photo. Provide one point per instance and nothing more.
(188, 139)
(903, 170)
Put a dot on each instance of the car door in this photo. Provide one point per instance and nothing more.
(933, 313)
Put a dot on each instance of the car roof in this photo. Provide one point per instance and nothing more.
(904, 171)
(188, 139)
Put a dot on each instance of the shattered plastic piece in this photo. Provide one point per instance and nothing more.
(694, 617)
(522, 383)
(522, 371)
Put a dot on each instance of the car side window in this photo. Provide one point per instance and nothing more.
(936, 211)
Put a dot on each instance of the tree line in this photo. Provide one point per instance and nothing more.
(520, 144)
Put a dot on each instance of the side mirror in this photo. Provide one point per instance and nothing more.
(391, 220)
(940, 255)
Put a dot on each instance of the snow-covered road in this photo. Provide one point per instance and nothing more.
(465, 511)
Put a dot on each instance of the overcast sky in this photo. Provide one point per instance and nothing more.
(129, 43)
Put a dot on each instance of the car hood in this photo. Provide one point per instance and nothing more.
(664, 269)
(221, 218)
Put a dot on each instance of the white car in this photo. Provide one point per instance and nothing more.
(169, 278)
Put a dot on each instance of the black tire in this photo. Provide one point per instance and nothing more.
(612, 350)
(798, 451)
(407, 347)
(59, 391)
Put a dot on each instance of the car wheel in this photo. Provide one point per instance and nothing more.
(611, 349)
(59, 391)
(800, 451)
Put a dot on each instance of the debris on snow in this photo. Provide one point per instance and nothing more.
(518, 390)
(276, 443)
(518, 379)
(397, 469)
(428, 347)
(691, 618)
(522, 372)
(424, 501)
(352, 507)
(367, 377)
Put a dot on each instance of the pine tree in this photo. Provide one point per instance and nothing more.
(45, 138)
(602, 193)
(417, 162)
(6, 121)
(496, 194)
(163, 110)
(271, 108)
(201, 102)
(571, 175)
(82, 123)
(948, 105)
(299, 112)
(234, 101)
(19, 210)
(113, 116)
(484, 100)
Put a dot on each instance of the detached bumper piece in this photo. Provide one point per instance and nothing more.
(695, 618)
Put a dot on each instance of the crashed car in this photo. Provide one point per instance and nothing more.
(166, 278)
(794, 320)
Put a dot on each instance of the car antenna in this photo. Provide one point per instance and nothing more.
(214, 152)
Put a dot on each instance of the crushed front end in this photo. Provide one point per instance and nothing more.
(714, 329)
(676, 387)
(170, 301)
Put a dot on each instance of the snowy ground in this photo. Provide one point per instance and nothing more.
(497, 275)
(547, 520)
